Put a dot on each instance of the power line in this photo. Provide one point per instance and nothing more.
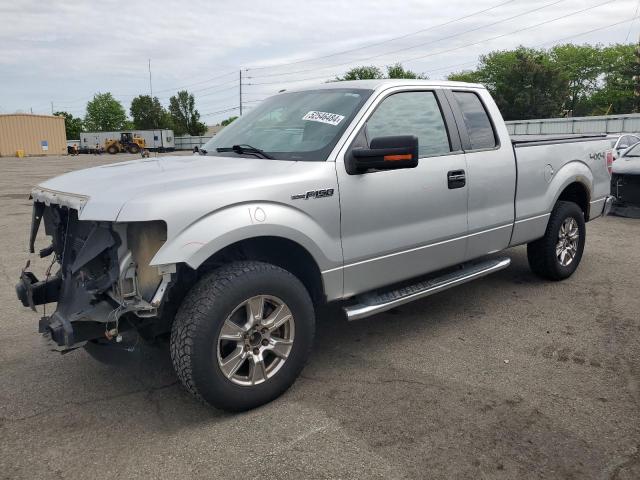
(385, 41)
(512, 32)
(229, 109)
(588, 32)
(454, 48)
(197, 83)
(555, 41)
(635, 14)
(423, 44)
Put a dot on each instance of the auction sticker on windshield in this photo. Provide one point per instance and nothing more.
(323, 117)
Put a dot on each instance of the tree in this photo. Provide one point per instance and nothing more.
(582, 67)
(616, 92)
(525, 83)
(226, 122)
(362, 73)
(72, 125)
(148, 113)
(372, 72)
(104, 113)
(184, 116)
(398, 71)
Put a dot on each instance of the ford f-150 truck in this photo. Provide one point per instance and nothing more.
(368, 193)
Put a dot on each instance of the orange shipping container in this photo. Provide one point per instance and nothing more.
(34, 134)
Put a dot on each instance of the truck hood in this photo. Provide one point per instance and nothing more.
(100, 193)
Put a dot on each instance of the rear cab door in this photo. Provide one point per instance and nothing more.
(491, 170)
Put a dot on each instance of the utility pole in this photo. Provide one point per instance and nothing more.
(636, 81)
(51, 108)
(240, 78)
(150, 85)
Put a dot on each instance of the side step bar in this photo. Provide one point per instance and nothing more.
(370, 304)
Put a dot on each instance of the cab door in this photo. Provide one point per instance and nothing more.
(491, 171)
(398, 224)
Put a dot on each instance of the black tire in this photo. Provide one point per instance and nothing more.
(195, 331)
(112, 150)
(541, 254)
(133, 148)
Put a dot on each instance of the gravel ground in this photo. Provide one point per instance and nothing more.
(509, 377)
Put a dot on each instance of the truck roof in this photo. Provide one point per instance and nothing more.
(385, 83)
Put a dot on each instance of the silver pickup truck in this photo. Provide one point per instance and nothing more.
(367, 193)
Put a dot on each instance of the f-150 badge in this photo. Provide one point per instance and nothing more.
(327, 192)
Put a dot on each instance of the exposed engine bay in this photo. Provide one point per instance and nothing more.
(103, 285)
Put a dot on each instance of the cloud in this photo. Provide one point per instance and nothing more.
(66, 50)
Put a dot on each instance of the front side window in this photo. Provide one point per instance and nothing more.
(476, 120)
(411, 113)
(302, 125)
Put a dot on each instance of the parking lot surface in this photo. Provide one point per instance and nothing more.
(509, 377)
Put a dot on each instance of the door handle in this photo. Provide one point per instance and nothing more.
(456, 179)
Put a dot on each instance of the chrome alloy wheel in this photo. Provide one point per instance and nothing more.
(568, 238)
(255, 340)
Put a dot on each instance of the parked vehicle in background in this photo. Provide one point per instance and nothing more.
(128, 142)
(625, 183)
(619, 143)
(73, 146)
(368, 193)
(155, 140)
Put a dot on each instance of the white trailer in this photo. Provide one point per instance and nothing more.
(161, 139)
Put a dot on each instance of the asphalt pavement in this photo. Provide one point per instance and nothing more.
(508, 377)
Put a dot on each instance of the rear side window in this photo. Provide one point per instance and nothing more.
(476, 120)
(411, 113)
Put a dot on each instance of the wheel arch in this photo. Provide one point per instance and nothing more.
(572, 183)
(267, 228)
(577, 193)
(280, 251)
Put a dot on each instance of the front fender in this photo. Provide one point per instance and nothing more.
(219, 229)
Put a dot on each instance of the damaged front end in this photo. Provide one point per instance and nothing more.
(104, 284)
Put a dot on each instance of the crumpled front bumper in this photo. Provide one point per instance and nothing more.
(103, 275)
(86, 254)
(66, 330)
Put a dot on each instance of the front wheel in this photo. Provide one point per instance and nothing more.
(557, 255)
(242, 335)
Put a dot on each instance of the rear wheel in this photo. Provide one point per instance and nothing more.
(133, 148)
(557, 255)
(242, 335)
(112, 149)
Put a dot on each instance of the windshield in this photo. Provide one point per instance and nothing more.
(292, 126)
(633, 151)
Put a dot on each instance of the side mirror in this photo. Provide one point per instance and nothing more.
(385, 153)
(623, 146)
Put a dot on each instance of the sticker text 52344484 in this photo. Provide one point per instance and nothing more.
(323, 117)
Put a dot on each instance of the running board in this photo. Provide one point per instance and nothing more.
(370, 304)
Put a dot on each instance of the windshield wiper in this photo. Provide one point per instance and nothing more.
(244, 148)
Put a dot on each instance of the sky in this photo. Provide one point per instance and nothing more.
(64, 51)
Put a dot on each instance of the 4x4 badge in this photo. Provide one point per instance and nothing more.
(327, 192)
